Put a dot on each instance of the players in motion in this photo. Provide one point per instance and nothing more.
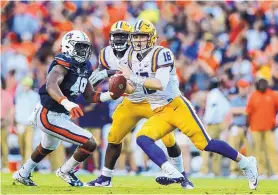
(131, 110)
(171, 109)
(67, 79)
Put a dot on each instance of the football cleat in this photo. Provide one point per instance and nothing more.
(27, 181)
(186, 184)
(167, 180)
(101, 181)
(170, 178)
(69, 178)
(251, 172)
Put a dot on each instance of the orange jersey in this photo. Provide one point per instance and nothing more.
(261, 109)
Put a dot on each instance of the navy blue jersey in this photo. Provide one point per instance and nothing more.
(73, 85)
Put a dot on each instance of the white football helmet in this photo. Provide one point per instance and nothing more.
(77, 45)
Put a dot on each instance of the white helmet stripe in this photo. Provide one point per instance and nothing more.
(139, 25)
(83, 35)
(118, 25)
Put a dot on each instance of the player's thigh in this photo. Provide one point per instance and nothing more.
(124, 120)
(186, 119)
(60, 126)
(49, 142)
(155, 128)
(169, 140)
(143, 109)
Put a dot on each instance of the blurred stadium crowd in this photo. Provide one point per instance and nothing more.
(222, 49)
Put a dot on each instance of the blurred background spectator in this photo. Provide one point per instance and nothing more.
(263, 103)
(217, 107)
(25, 102)
(238, 127)
(228, 40)
(7, 109)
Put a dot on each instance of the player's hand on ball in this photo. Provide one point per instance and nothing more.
(126, 72)
(117, 86)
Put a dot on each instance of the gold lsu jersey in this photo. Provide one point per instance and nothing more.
(108, 60)
(158, 57)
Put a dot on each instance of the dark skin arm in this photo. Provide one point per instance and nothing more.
(90, 95)
(54, 79)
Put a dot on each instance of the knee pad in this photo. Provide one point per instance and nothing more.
(114, 139)
(169, 140)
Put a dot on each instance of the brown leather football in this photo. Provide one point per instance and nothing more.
(117, 85)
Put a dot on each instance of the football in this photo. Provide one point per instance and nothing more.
(117, 85)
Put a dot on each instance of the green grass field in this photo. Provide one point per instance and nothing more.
(50, 184)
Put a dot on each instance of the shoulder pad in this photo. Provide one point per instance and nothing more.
(63, 60)
(165, 58)
(162, 57)
(103, 58)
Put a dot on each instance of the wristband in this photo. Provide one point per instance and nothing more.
(104, 97)
(61, 99)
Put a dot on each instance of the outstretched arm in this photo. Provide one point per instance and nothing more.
(162, 67)
(92, 96)
(160, 81)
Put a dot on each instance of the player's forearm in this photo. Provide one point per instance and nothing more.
(160, 81)
(52, 86)
(54, 79)
(92, 96)
(54, 91)
(150, 83)
(129, 88)
(153, 83)
(98, 97)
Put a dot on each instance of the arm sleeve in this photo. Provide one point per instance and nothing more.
(163, 75)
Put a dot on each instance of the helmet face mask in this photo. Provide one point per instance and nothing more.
(77, 45)
(82, 51)
(119, 35)
(119, 41)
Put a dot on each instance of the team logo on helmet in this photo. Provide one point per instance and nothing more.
(69, 36)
